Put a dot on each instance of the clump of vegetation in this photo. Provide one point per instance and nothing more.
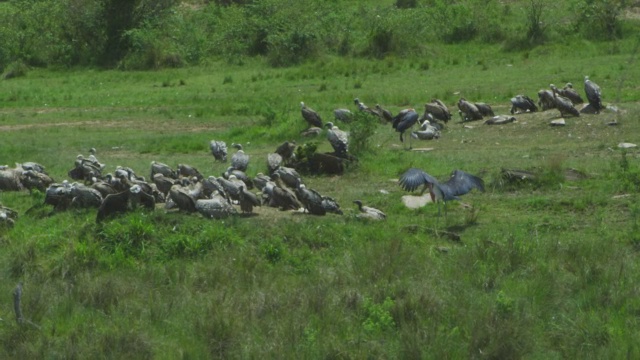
(15, 69)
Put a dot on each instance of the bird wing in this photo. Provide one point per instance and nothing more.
(460, 183)
(414, 178)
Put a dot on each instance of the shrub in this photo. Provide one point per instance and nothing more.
(15, 69)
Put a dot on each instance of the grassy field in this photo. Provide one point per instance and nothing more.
(540, 270)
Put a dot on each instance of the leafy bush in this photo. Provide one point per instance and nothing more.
(362, 129)
(600, 19)
(15, 69)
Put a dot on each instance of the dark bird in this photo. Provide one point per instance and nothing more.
(594, 95)
(468, 111)
(364, 108)
(369, 212)
(218, 150)
(522, 103)
(125, 201)
(330, 205)
(240, 175)
(164, 169)
(343, 115)
(181, 197)
(189, 171)
(338, 139)
(239, 160)
(247, 200)
(570, 93)
(485, 109)
(438, 110)
(545, 99)
(286, 150)
(384, 114)
(459, 183)
(7, 216)
(282, 197)
(310, 116)
(563, 104)
(404, 121)
(312, 131)
(311, 200)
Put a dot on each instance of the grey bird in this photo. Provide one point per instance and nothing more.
(522, 103)
(124, 202)
(563, 104)
(459, 183)
(310, 116)
(164, 169)
(338, 139)
(239, 160)
(545, 100)
(369, 212)
(343, 115)
(311, 200)
(248, 200)
(438, 110)
(594, 95)
(468, 111)
(215, 208)
(218, 150)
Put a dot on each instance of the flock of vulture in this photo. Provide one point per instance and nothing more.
(188, 190)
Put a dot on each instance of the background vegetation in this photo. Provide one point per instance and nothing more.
(547, 269)
(170, 33)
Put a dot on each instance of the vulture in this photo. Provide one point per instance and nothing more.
(247, 200)
(459, 183)
(218, 207)
(545, 99)
(286, 150)
(231, 187)
(260, 181)
(404, 121)
(522, 103)
(163, 183)
(10, 180)
(58, 195)
(485, 109)
(500, 120)
(468, 111)
(384, 113)
(211, 185)
(312, 131)
(310, 116)
(274, 161)
(240, 175)
(311, 200)
(239, 160)
(426, 132)
(282, 197)
(364, 108)
(438, 110)
(218, 150)
(570, 93)
(7, 216)
(594, 95)
(181, 197)
(339, 140)
(84, 196)
(343, 115)
(125, 201)
(32, 179)
(563, 104)
(164, 169)
(189, 171)
(369, 212)
(289, 176)
(103, 187)
(330, 205)
(32, 166)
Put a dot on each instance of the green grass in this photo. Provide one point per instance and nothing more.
(544, 270)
